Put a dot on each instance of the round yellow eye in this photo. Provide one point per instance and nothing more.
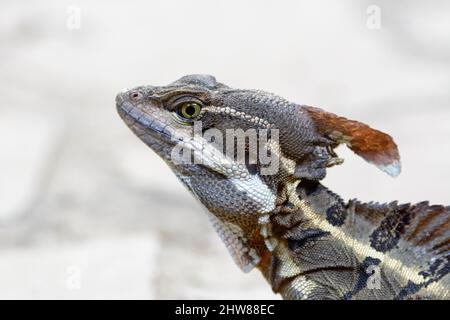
(189, 110)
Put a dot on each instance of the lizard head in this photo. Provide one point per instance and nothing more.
(197, 123)
(226, 143)
(190, 124)
(236, 149)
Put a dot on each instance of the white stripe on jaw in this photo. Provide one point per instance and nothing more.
(237, 173)
(257, 191)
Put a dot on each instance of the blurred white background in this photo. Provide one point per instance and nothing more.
(88, 211)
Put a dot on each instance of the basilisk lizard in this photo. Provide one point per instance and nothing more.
(307, 242)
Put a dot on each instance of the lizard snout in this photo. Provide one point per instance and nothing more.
(120, 98)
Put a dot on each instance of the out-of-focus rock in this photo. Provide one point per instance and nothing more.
(27, 141)
(110, 268)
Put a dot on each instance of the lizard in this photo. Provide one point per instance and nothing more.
(307, 241)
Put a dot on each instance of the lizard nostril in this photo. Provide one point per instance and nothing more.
(135, 95)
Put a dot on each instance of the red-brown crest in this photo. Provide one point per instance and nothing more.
(372, 145)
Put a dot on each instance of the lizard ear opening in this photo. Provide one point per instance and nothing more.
(372, 145)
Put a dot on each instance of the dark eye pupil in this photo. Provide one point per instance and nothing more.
(190, 110)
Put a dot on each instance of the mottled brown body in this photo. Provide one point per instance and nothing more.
(329, 249)
(306, 240)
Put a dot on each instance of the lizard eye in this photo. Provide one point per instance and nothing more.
(189, 110)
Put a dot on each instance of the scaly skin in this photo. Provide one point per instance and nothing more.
(307, 242)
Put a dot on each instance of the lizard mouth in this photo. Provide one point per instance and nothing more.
(143, 124)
